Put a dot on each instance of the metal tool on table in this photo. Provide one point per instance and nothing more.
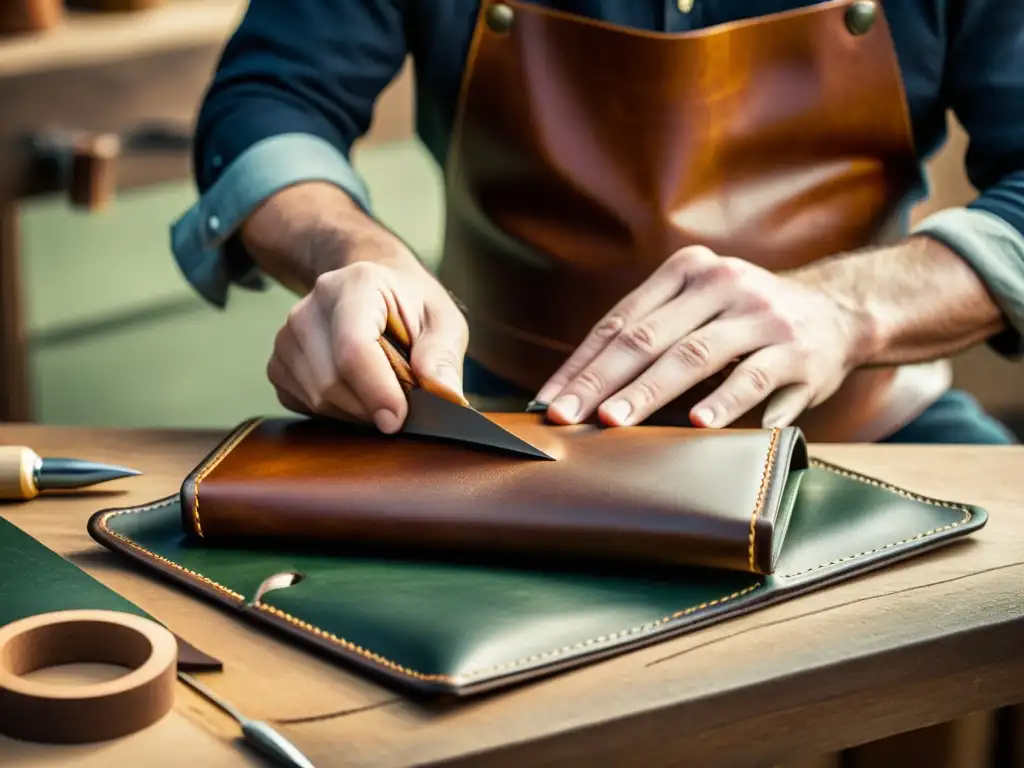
(436, 412)
(257, 734)
(24, 474)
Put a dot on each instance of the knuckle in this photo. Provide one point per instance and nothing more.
(346, 354)
(693, 352)
(728, 270)
(691, 256)
(645, 394)
(758, 380)
(610, 326)
(326, 285)
(591, 380)
(642, 339)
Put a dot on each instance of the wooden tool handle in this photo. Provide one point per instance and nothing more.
(397, 345)
(17, 473)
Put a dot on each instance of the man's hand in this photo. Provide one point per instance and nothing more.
(694, 316)
(327, 359)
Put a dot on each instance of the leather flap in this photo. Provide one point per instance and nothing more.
(653, 495)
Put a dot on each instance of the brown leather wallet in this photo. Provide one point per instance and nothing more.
(653, 495)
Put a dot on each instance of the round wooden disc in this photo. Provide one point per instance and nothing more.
(47, 712)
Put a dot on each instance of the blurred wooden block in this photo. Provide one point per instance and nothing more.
(20, 16)
(113, 6)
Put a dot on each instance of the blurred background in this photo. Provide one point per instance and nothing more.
(97, 326)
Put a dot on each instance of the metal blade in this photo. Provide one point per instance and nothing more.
(433, 416)
(54, 474)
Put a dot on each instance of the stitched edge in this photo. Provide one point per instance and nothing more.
(507, 666)
(124, 539)
(225, 449)
(967, 514)
(762, 494)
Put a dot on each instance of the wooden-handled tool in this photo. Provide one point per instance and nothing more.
(397, 345)
(24, 473)
(437, 411)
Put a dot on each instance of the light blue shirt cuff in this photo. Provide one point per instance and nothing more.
(270, 165)
(993, 248)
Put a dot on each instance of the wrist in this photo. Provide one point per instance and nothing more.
(310, 229)
(864, 327)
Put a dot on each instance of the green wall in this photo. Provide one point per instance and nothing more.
(119, 339)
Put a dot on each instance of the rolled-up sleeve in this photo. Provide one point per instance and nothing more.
(984, 84)
(294, 89)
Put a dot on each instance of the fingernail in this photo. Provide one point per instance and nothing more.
(546, 395)
(618, 411)
(386, 421)
(447, 377)
(706, 417)
(568, 406)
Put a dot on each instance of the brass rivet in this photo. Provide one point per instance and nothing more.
(860, 16)
(500, 17)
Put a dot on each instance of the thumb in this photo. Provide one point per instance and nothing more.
(437, 357)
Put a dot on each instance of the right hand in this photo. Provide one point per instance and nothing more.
(327, 359)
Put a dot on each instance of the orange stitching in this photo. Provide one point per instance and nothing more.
(164, 560)
(762, 492)
(604, 639)
(230, 445)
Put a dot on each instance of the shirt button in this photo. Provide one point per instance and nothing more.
(213, 225)
(685, 6)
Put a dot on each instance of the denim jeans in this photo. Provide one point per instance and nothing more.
(955, 418)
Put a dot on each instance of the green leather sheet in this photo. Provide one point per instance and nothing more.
(460, 627)
(34, 579)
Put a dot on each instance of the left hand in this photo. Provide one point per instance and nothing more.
(694, 316)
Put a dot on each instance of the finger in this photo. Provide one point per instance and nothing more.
(786, 405)
(439, 351)
(289, 364)
(661, 287)
(699, 355)
(289, 392)
(753, 380)
(360, 362)
(305, 347)
(632, 351)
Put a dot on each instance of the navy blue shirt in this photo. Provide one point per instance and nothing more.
(297, 83)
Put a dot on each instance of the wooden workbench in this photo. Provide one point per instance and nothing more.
(916, 645)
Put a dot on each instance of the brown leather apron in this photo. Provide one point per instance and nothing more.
(584, 154)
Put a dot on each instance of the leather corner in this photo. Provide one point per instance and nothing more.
(787, 454)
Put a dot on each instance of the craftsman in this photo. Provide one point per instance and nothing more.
(695, 207)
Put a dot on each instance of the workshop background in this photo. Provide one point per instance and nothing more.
(113, 334)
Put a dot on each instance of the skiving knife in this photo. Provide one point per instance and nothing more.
(434, 414)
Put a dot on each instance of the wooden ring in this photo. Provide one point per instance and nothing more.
(46, 712)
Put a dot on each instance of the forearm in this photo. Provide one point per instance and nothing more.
(308, 229)
(912, 302)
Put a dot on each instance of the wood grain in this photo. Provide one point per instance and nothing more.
(922, 643)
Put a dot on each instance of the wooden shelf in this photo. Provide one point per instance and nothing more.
(91, 39)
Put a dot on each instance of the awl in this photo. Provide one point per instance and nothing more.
(24, 474)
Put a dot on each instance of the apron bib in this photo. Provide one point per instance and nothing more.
(584, 154)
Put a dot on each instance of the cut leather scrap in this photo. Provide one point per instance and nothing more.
(461, 628)
(34, 580)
